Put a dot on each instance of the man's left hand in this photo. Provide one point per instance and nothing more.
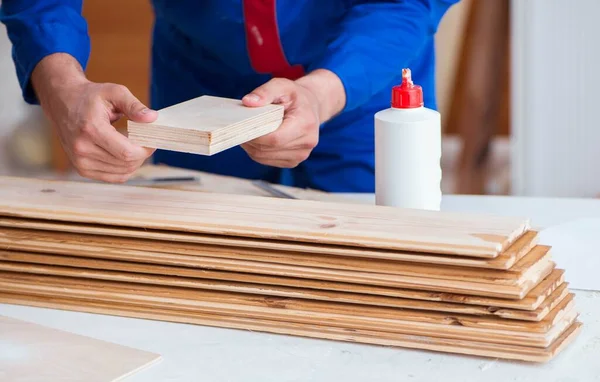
(304, 111)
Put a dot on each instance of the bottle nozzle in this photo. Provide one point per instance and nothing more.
(407, 77)
(407, 94)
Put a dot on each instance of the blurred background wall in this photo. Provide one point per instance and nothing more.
(480, 52)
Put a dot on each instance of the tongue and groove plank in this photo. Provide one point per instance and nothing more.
(356, 225)
(198, 298)
(246, 260)
(220, 270)
(504, 260)
(432, 324)
(108, 270)
(279, 296)
(318, 330)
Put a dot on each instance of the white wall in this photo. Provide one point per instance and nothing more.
(556, 98)
(12, 107)
(14, 112)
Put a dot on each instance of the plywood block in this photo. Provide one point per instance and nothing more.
(357, 225)
(206, 125)
(34, 352)
(320, 330)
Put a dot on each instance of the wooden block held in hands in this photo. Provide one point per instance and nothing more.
(206, 125)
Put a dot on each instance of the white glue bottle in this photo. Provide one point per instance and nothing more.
(408, 150)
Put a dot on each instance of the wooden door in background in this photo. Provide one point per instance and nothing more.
(120, 33)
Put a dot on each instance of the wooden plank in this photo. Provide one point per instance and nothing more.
(33, 352)
(279, 296)
(206, 125)
(320, 331)
(298, 310)
(201, 269)
(268, 218)
(224, 258)
(541, 312)
(432, 324)
(294, 287)
(505, 260)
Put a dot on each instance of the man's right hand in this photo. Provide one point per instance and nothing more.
(82, 112)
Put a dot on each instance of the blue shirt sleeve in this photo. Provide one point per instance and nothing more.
(376, 40)
(38, 28)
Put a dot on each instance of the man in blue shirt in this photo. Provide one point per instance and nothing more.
(331, 63)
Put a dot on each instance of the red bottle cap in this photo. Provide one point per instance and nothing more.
(407, 95)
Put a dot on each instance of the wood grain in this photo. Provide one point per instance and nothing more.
(229, 258)
(280, 296)
(433, 324)
(504, 260)
(320, 330)
(199, 298)
(283, 286)
(268, 218)
(220, 269)
(371, 271)
(206, 125)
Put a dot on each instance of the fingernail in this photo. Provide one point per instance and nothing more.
(145, 111)
(252, 97)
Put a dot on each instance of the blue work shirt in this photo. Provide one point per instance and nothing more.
(201, 47)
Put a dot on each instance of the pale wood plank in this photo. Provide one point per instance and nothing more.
(320, 330)
(34, 352)
(267, 218)
(198, 267)
(198, 298)
(504, 260)
(79, 267)
(274, 295)
(433, 324)
(161, 252)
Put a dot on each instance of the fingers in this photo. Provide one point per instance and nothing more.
(99, 151)
(295, 138)
(126, 103)
(282, 158)
(105, 176)
(88, 149)
(109, 172)
(107, 137)
(102, 153)
(280, 139)
(277, 90)
(88, 164)
(93, 162)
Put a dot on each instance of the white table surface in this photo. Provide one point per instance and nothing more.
(196, 353)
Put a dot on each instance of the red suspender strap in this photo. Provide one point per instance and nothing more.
(263, 41)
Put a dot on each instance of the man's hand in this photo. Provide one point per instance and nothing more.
(308, 102)
(83, 111)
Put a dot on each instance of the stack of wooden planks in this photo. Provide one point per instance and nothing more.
(468, 284)
(206, 125)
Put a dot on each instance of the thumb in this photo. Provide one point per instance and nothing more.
(129, 105)
(277, 90)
